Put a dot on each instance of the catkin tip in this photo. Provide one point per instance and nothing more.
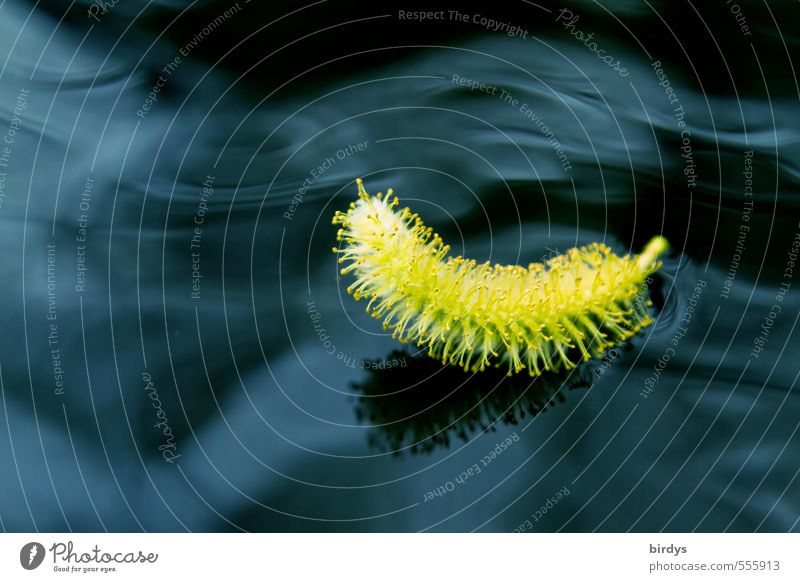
(657, 246)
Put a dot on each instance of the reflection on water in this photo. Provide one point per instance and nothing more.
(418, 406)
(195, 256)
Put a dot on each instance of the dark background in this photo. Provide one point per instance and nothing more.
(273, 432)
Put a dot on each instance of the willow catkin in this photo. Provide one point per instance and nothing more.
(547, 316)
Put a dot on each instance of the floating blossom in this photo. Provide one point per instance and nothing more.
(548, 316)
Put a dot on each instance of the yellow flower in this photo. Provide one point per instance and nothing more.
(547, 316)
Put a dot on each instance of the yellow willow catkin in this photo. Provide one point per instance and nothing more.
(544, 317)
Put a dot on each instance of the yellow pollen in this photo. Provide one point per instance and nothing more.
(560, 313)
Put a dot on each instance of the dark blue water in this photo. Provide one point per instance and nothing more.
(179, 353)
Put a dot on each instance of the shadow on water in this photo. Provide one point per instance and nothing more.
(424, 404)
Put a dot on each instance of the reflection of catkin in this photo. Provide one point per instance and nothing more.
(543, 317)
